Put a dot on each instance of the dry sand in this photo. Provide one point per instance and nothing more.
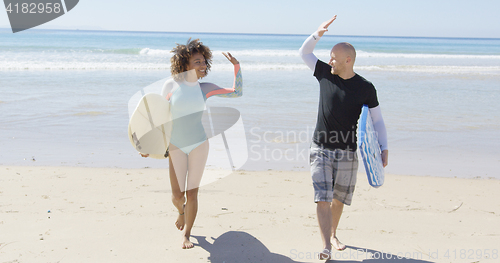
(67, 214)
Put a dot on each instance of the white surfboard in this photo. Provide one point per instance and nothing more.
(150, 126)
(370, 149)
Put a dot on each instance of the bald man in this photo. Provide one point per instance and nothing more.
(333, 157)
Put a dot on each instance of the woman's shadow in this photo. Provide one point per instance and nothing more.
(237, 246)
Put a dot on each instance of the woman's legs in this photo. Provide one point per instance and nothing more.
(178, 165)
(178, 198)
(192, 164)
(197, 160)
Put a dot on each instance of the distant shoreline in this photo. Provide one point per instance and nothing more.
(254, 34)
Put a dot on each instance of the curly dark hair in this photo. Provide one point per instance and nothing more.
(182, 53)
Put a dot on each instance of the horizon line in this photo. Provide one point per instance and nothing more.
(270, 34)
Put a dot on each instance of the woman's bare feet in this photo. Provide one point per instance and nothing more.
(180, 220)
(186, 244)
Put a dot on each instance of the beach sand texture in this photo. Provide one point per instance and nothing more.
(68, 214)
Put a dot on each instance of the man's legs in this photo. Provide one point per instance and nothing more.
(336, 209)
(328, 220)
(334, 179)
(322, 176)
(324, 215)
(345, 167)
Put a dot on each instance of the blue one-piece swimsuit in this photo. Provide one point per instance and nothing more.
(187, 104)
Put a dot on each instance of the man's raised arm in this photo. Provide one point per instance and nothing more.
(306, 51)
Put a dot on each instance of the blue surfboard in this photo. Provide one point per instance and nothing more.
(370, 149)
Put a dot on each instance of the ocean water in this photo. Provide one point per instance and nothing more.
(64, 97)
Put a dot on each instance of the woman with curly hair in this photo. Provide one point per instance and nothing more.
(188, 148)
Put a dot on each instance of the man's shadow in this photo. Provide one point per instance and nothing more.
(237, 246)
(373, 256)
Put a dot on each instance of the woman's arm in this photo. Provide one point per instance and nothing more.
(236, 91)
(167, 89)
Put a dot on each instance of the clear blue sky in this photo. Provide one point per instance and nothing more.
(432, 18)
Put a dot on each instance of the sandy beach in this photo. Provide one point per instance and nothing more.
(70, 214)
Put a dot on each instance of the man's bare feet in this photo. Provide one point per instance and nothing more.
(337, 244)
(186, 244)
(325, 254)
(180, 220)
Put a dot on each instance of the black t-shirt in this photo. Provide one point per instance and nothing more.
(340, 103)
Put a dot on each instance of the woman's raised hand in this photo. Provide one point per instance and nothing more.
(230, 58)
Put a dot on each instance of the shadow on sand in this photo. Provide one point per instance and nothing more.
(237, 246)
(241, 247)
(373, 256)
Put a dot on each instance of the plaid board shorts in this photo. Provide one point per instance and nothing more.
(333, 174)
